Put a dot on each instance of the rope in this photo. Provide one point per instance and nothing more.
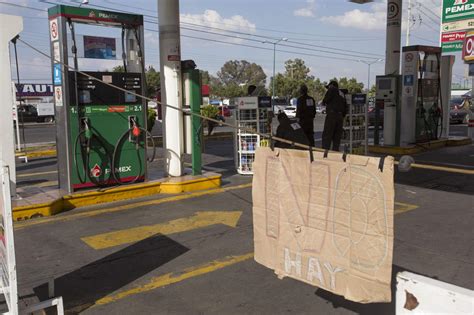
(247, 130)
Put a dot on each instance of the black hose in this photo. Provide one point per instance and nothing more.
(115, 154)
(91, 178)
(124, 55)
(76, 164)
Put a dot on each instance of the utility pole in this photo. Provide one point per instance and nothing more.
(171, 89)
(274, 62)
(408, 24)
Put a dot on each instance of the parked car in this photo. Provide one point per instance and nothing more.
(458, 112)
(29, 113)
(321, 108)
(290, 111)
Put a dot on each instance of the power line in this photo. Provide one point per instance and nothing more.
(270, 49)
(236, 32)
(429, 10)
(429, 17)
(360, 55)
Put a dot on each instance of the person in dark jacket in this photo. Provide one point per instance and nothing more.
(336, 110)
(289, 131)
(305, 112)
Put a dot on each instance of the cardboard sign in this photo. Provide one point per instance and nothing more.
(328, 223)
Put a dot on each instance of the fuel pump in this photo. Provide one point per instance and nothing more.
(101, 131)
(422, 107)
(387, 102)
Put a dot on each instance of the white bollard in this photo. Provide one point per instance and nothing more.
(421, 295)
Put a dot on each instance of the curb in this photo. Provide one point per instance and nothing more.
(69, 202)
(423, 147)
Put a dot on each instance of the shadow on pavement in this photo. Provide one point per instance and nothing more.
(81, 288)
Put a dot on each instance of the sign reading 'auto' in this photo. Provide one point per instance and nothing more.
(456, 10)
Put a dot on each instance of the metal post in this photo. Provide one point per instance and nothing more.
(368, 80)
(195, 100)
(273, 81)
(171, 88)
(408, 24)
(10, 26)
(393, 37)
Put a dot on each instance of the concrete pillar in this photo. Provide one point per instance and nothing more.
(171, 94)
(393, 37)
(447, 63)
(10, 26)
(392, 64)
(470, 122)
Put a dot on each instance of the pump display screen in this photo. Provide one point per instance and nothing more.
(385, 84)
(100, 47)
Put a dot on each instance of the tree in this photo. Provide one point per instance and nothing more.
(205, 77)
(352, 85)
(118, 69)
(372, 91)
(296, 74)
(242, 73)
(153, 82)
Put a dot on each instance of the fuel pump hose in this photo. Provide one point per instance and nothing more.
(89, 135)
(118, 144)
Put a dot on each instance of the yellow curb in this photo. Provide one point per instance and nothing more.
(422, 147)
(459, 142)
(37, 154)
(175, 187)
(394, 150)
(69, 202)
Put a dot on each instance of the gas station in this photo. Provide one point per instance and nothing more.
(105, 153)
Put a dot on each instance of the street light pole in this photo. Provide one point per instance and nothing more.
(275, 43)
(369, 64)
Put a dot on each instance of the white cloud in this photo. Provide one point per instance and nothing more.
(375, 19)
(308, 11)
(212, 18)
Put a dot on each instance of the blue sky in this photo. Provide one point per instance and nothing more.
(348, 31)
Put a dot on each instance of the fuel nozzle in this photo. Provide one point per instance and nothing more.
(86, 128)
(135, 129)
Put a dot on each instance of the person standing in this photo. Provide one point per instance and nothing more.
(336, 110)
(305, 113)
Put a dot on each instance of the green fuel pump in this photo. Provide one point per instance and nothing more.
(101, 131)
(192, 101)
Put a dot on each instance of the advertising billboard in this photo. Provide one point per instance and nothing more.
(100, 47)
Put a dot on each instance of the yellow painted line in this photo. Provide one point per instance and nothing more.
(35, 174)
(171, 278)
(197, 221)
(441, 168)
(87, 214)
(404, 207)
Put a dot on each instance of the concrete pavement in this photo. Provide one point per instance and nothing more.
(193, 254)
(209, 269)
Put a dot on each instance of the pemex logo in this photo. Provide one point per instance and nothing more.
(460, 2)
(96, 171)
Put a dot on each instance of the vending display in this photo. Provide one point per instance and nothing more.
(354, 136)
(253, 114)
